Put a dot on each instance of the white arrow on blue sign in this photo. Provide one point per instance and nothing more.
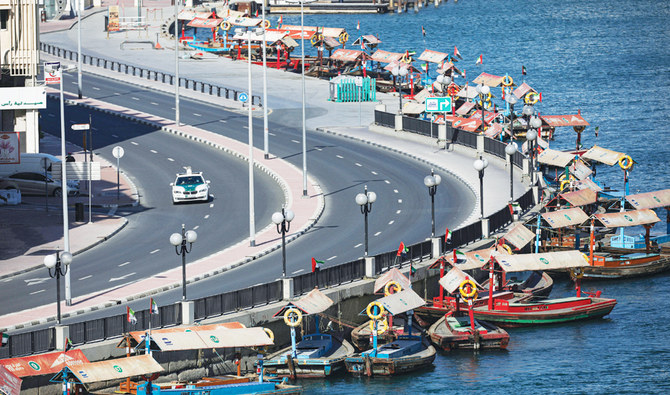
(243, 97)
(438, 104)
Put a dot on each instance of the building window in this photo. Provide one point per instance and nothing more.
(4, 18)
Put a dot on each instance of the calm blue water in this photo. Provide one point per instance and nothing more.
(611, 60)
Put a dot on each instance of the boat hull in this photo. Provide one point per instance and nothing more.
(486, 336)
(628, 269)
(308, 368)
(371, 366)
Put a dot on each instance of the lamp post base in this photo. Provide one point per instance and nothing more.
(187, 312)
(287, 288)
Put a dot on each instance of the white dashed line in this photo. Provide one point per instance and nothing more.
(318, 149)
(374, 172)
(391, 222)
(115, 136)
(245, 127)
(387, 181)
(118, 94)
(395, 191)
(271, 134)
(298, 271)
(295, 141)
(153, 151)
(52, 115)
(358, 245)
(399, 200)
(133, 143)
(36, 292)
(331, 258)
(196, 227)
(171, 160)
(86, 277)
(222, 120)
(154, 103)
(154, 251)
(206, 216)
(95, 88)
(340, 156)
(398, 212)
(211, 205)
(135, 98)
(124, 264)
(378, 233)
(197, 115)
(358, 164)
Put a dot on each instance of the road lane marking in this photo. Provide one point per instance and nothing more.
(125, 276)
(211, 205)
(196, 227)
(155, 251)
(134, 143)
(374, 172)
(95, 88)
(154, 103)
(206, 216)
(86, 277)
(331, 258)
(115, 136)
(387, 181)
(153, 151)
(391, 222)
(135, 98)
(222, 120)
(271, 134)
(36, 292)
(398, 212)
(298, 271)
(52, 115)
(171, 160)
(378, 233)
(296, 141)
(340, 156)
(358, 245)
(124, 264)
(197, 115)
(245, 127)
(358, 164)
(117, 93)
(35, 281)
(399, 200)
(395, 191)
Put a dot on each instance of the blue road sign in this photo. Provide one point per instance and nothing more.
(243, 97)
(438, 104)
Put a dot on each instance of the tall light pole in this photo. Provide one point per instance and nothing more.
(283, 221)
(176, 62)
(535, 123)
(483, 91)
(304, 126)
(266, 130)
(365, 200)
(511, 101)
(432, 181)
(79, 9)
(399, 72)
(54, 261)
(510, 150)
(179, 242)
(479, 165)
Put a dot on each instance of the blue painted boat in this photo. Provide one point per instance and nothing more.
(405, 354)
(317, 355)
(208, 387)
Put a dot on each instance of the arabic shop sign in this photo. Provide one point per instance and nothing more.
(24, 98)
(9, 148)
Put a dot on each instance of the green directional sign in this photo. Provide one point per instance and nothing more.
(438, 104)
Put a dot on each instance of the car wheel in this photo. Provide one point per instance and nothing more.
(58, 192)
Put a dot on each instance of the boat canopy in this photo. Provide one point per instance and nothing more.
(580, 170)
(650, 199)
(39, 364)
(385, 56)
(314, 302)
(628, 218)
(368, 39)
(325, 31)
(465, 108)
(349, 55)
(522, 90)
(519, 236)
(208, 23)
(542, 261)
(588, 183)
(489, 116)
(243, 21)
(493, 130)
(9, 383)
(603, 155)
(555, 158)
(213, 338)
(413, 108)
(330, 43)
(467, 124)
(271, 36)
(422, 95)
(564, 120)
(488, 79)
(189, 14)
(392, 275)
(454, 278)
(402, 301)
(580, 197)
(432, 56)
(115, 369)
(468, 92)
(446, 66)
(410, 69)
(567, 217)
(139, 335)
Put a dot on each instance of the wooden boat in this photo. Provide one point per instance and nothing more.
(360, 336)
(455, 332)
(529, 310)
(316, 355)
(405, 354)
(221, 385)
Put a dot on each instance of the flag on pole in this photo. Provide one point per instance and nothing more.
(401, 249)
(424, 67)
(457, 54)
(597, 130)
(316, 264)
(412, 269)
(540, 94)
(5, 339)
(256, 13)
(362, 44)
(523, 70)
(447, 236)
(358, 25)
(280, 21)
(423, 31)
(480, 60)
(131, 315)
(153, 307)
(458, 255)
(68, 344)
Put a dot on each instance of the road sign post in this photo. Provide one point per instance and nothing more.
(438, 104)
(118, 154)
(85, 127)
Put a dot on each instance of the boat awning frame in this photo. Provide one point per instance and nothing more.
(115, 369)
(454, 278)
(542, 261)
(628, 218)
(314, 302)
(580, 197)
(519, 236)
(555, 158)
(650, 199)
(603, 155)
(392, 275)
(566, 217)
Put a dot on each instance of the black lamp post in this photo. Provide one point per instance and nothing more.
(399, 72)
(283, 221)
(483, 91)
(479, 165)
(532, 135)
(179, 242)
(54, 261)
(432, 181)
(510, 150)
(365, 200)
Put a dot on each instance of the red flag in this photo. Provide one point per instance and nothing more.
(447, 236)
(523, 70)
(401, 249)
(480, 60)
(540, 96)
(358, 25)
(281, 20)
(256, 13)
(362, 44)
(316, 265)
(423, 31)
(511, 208)
(456, 53)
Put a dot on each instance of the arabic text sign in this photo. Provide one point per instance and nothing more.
(438, 104)
(24, 98)
(9, 148)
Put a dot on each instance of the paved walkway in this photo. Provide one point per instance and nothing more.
(344, 119)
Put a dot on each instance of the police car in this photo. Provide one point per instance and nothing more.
(189, 186)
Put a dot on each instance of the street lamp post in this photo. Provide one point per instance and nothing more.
(510, 150)
(365, 200)
(179, 242)
(176, 62)
(399, 72)
(511, 100)
(479, 165)
(283, 221)
(80, 7)
(532, 135)
(432, 181)
(483, 91)
(54, 261)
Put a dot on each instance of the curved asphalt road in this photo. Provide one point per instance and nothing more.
(342, 166)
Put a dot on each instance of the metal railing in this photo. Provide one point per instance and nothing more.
(153, 75)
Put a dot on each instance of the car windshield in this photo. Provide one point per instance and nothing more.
(189, 180)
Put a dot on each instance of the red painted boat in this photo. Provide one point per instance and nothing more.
(451, 333)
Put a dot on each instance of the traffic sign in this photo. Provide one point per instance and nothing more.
(438, 104)
(81, 126)
(243, 97)
(118, 152)
(52, 77)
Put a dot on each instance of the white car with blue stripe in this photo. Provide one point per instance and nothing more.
(190, 186)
